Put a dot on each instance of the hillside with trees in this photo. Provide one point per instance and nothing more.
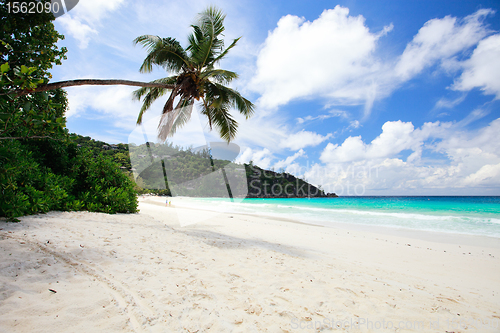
(171, 170)
(41, 168)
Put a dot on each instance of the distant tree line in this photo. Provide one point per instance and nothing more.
(172, 170)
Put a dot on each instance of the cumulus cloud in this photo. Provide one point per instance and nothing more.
(335, 57)
(440, 39)
(287, 162)
(488, 175)
(396, 137)
(303, 139)
(301, 58)
(81, 22)
(260, 157)
(463, 162)
(78, 30)
(482, 70)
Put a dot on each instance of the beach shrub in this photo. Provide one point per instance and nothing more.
(36, 177)
(101, 186)
(26, 186)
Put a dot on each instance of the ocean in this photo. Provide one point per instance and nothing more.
(471, 215)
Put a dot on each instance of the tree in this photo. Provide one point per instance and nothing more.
(195, 78)
(27, 52)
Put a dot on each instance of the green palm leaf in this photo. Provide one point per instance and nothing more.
(223, 54)
(232, 97)
(164, 52)
(219, 75)
(210, 25)
(151, 94)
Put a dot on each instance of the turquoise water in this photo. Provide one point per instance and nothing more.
(462, 215)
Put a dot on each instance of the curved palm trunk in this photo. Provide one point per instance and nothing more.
(93, 82)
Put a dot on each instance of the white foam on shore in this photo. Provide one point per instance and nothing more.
(454, 224)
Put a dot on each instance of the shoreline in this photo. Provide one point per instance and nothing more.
(233, 273)
(421, 234)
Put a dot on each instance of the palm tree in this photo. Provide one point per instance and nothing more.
(195, 78)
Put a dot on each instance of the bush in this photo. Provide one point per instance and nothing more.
(102, 186)
(37, 177)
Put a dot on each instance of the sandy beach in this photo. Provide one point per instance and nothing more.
(147, 272)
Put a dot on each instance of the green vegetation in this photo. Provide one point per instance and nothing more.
(186, 172)
(41, 169)
(27, 52)
(269, 184)
(195, 78)
(118, 153)
(166, 169)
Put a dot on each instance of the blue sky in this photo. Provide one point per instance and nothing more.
(361, 97)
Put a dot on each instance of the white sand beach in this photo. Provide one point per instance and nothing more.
(80, 271)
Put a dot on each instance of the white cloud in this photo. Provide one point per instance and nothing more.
(477, 148)
(78, 30)
(301, 59)
(472, 116)
(335, 57)
(262, 157)
(482, 70)
(354, 124)
(115, 101)
(94, 11)
(440, 39)
(283, 164)
(488, 175)
(449, 104)
(84, 20)
(303, 139)
(396, 137)
(331, 114)
(471, 163)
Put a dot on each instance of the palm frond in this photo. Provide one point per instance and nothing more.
(216, 107)
(164, 52)
(230, 97)
(206, 32)
(219, 75)
(212, 21)
(151, 94)
(223, 54)
(137, 94)
(194, 40)
(224, 123)
(171, 121)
